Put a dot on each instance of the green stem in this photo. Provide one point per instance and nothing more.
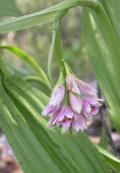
(112, 40)
(39, 80)
(50, 56)
(58, 50)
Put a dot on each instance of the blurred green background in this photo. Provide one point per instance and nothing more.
(36, 41)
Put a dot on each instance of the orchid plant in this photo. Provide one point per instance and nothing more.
(28, 116)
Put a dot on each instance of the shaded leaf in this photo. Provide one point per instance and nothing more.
(29, 152)
(8, 8)
(29, 61)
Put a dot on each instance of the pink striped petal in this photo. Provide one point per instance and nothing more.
(86, 107)
(80, 123)
(75, 102)
(87, 89)
(73, 84)
(50, 109)
(66, 111)
(57, 95)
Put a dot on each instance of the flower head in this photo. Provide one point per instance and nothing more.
(72, 105)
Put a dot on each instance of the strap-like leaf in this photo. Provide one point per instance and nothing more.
(45, 16)
(111, 159)
(102, 63)
(29, 152)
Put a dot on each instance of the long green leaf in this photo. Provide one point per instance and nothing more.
(28, 151)
(48, 15)
(113, 12)
(102, 63)
(111, 159)
(76, 153)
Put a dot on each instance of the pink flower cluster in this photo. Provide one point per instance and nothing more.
(72, 106)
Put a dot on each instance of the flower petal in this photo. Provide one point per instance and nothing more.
(80, 123)
(87, 89)
(72, 84)
(86, 107)
(57, 95)
(50, 109)
(66, 122)
(75, 102)
(66, 111)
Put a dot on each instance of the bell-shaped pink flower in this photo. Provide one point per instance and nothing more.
(58, 95)
(87, 89)
(75, 102)
(73, 84)
(74, 111)
(50, 109)
(59, 116)
(93, 101)
(90, 107)
(54, 120)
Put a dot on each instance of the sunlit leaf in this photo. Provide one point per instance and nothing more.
(44, 16)
(113, 161)
(102, 62)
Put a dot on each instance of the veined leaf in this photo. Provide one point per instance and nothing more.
(70, 153)
(23, 72)
(48, 15)
(8, 8)
(29, 152)
(113, 11)
(102, 63)
(111, 159)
